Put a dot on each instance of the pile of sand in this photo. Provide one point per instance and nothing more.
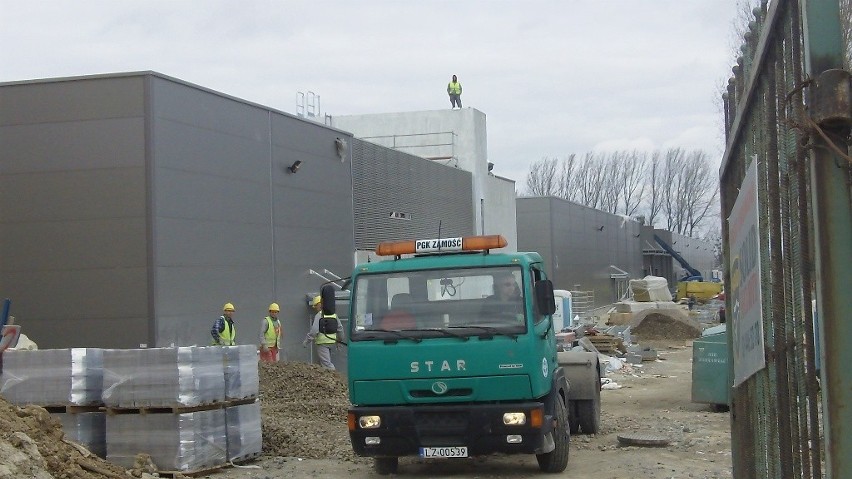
(303, 412)
(32, 445)
(664, 324)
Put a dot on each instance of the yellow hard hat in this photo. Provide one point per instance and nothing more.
(228, 307)
(274, 307)
(317, 300)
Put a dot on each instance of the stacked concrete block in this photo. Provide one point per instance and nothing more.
(53, 377)
(163, 377)
(241, 374)
(86, 428)
(244, 437)
(187, 441)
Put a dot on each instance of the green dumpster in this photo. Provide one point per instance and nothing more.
(711, 379)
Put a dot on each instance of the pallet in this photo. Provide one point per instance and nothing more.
(240, 402)
(193, 473)
(72, 409)
(246, 458)
(606, 343)
(173, 409)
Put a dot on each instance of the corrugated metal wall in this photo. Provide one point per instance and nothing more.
(73, 243)
(156, 201)
(580, 244)
(401, 196)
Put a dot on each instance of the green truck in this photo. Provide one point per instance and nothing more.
(442, 365)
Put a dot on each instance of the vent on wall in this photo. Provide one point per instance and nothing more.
(400, 216)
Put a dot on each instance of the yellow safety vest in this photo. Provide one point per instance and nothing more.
(454, 87)
(228, 336)
(272, 336)
(322, 338)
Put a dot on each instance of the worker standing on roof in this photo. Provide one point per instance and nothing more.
(224, 330)
(454, 89)
(324, 332)
(270, 335)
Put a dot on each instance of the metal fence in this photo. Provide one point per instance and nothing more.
(787, 117)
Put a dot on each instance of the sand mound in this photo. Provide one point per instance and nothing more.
(664, 324)
(303, 412)
(32, 445)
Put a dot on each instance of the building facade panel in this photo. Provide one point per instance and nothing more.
(73, 151)
(401, 196)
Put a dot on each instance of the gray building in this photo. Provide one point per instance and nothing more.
(135, 205)
(583, 248)
(401, 196)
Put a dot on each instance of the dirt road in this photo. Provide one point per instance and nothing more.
(653, 399)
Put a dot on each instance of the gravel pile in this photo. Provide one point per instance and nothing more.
(32, 445)
(664, 324)
(303, 412)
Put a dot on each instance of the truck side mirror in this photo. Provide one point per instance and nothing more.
(328, 298)
(544, 298)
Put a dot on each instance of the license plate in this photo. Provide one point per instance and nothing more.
(438, 452)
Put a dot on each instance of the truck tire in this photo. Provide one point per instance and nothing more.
(557, 459)
(573, 420)
(589, 415)
(589, 412)
(385, 465)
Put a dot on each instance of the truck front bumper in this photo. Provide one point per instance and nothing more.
(403, 430)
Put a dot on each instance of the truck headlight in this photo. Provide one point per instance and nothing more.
(369, 422)
(514, 418)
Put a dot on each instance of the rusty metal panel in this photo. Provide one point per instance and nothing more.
(776, 419)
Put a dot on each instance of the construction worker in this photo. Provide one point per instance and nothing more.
(324, 333)
(454, 89)
(224, 331)
(270, 335)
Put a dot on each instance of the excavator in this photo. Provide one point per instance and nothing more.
(692, 284)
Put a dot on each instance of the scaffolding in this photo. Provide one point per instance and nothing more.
(582, 302)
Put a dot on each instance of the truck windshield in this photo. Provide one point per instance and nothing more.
(440, 303)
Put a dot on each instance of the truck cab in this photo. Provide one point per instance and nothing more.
(452, 353)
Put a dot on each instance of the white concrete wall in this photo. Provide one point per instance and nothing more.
(500, 210)
(456, 138)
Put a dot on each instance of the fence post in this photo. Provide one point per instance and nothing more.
(832, 213)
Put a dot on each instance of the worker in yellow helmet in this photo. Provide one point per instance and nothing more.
(324, 332)
(224, 330)
(270, 335)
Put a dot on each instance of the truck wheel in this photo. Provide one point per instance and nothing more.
(589, 412)
(557, 459)
(385, 465)
(573, 421)
(589, 415)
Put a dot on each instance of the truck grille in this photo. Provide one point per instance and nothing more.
(428, 393)
(428, 423)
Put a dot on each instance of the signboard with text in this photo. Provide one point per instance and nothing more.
(746, 317)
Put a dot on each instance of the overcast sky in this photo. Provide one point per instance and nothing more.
(552, 77)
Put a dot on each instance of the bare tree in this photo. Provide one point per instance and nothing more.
(632, 182)
(691, 191)
(589, 175)
(655, 187)
(542, 178)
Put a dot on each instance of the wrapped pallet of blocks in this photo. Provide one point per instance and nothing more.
(176, 441)
(650, 288)
(244, 436)
(53, 377)
(241, 374)
(86, 428)
(163, 377)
